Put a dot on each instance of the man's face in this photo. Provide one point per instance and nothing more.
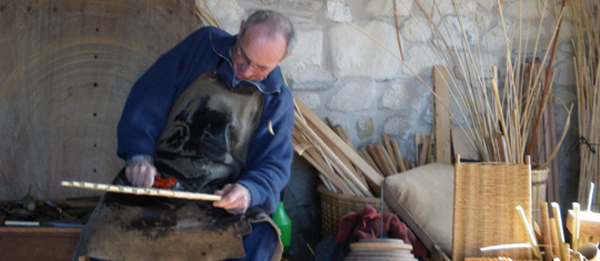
(255, 55)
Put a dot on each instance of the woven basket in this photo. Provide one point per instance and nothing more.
(485, 197)
(334, 206)
(539, 180)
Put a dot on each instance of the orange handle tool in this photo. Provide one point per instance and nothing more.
(164, 183)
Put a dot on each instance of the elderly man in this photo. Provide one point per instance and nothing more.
(215, 114)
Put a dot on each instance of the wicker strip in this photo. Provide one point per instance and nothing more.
(485, 198)
(334, 206)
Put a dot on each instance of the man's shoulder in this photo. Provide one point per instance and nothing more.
(213, 32)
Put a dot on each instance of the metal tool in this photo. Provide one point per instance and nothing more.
(166, 183)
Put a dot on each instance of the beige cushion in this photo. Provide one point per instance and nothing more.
(423, 198)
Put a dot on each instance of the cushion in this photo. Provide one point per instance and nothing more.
(423, 197)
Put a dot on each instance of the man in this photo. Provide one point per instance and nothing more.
(214, 113)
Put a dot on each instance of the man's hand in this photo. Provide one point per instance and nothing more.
(140, 172)
(236, 199)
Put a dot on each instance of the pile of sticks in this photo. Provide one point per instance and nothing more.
(343, 168)
(549, 242)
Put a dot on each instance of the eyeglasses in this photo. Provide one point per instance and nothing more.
(260, 70)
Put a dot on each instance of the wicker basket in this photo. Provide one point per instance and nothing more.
(334, 206)
(539, 180)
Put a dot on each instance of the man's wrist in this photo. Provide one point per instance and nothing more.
(139, 158)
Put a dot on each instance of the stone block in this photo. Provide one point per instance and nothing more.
(354, 54)
(396, 97)
(379, 8)
(309, 47)
(420, 59)
(365, 127)
(416, 29)
(313, 78)
(352, 97)
(338, 11)
(311, 100)
(227, 12)
(446, 7)
(398, 125)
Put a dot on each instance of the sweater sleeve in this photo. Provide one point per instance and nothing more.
(269, 159)
(151, 97)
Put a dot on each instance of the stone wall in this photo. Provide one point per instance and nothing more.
(341, 74)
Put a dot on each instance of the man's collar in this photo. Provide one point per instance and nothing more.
(221, 47)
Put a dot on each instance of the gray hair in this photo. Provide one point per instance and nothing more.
(277, 23)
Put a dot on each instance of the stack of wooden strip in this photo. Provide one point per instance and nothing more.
(341, 168)
(385, 157)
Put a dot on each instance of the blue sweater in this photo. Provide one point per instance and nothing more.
(269, 157)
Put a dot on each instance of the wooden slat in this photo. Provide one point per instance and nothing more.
(441, 116)
(315, 159)
(398, 155)
(390, 151)
(337, 164)
(360, 163)
(425, 150)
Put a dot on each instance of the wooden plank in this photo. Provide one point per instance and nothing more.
(441, 116)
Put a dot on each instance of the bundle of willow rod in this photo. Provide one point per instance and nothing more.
(502, 117)
(586, 46)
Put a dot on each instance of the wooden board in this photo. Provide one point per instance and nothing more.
(441, 116)
(65, 73)
(39, 243)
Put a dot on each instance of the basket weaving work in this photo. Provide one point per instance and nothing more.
(485, 198)
(334, 206)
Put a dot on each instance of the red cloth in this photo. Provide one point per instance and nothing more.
(353, 228)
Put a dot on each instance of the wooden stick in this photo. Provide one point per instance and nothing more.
(546, 233)
(388, 159)
(555, 243)
(398, 155)
(156, 192)
(575, 231)
(530, 235)
(379, 150)
(365, 155)
(425, 149)
(559, 231)
(378, 160)
(390, 151)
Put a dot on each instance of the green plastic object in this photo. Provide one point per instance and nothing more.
(285, 225)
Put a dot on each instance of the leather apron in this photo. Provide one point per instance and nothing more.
(204, 145)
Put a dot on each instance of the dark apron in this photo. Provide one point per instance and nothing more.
(204, 145)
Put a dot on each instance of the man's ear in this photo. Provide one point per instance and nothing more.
(241, 29)
(287, 55)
